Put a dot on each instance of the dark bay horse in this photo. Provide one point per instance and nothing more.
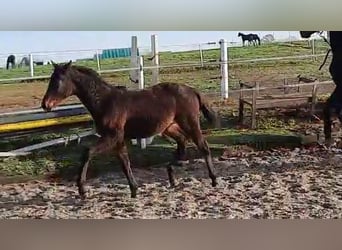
(10, 60)
(251, 38)
(334, 103)
(256, 39)
(25, 61)
(169, 109)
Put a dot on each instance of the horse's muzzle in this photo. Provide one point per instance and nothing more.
(46, 106)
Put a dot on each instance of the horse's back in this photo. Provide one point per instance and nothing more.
(11, 58)
(185, 97)
(174, 89)
(163, 98)
(143, 103)
(148, 112)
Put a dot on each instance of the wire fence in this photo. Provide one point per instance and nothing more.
(198, 65)
(37, 64)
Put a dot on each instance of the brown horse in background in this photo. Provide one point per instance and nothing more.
(119, 114)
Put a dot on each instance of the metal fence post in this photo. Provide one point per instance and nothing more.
(201, 54)
(134, 64)
(224, 68)
(313, 44)
(98, 60)
(155, 59)
(155, 71)
(141, 86)
(134, 59)
(31, 66)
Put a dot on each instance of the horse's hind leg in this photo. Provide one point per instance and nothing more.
(192, 127)
(333, 104)
(176, 133)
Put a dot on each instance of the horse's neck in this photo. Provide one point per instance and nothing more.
(92, 93)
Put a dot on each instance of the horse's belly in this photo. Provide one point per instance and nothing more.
(145, 127)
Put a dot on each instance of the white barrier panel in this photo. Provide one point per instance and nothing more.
(155, 59)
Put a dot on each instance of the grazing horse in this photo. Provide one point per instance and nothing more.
(251, 38)
(169, 109)
(25, 61)
(10, 60)
(256, 39)
(334, 102)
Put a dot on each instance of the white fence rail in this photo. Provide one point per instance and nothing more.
(27, 150)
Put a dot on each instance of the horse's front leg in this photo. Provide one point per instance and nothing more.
(122, 154)
(104, 144)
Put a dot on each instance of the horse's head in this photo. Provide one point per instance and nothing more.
(239, 34)
(60, 86)
(306, 34)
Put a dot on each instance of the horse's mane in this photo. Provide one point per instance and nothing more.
(86, 70)
(94, 74)
(90, 72)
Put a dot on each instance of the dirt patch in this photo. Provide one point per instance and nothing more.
(300, 183)
(24, 96)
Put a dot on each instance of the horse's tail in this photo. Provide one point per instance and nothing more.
(210, 115)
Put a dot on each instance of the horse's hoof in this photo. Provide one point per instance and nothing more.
(214, 183)
(82, 196)
(173, 185)
(329, 142)
(134, 194)
(82, 193)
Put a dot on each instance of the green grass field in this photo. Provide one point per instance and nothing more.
(284, 67)
(65, 160)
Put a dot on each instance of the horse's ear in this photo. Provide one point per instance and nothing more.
(67, 65)
(55, 65)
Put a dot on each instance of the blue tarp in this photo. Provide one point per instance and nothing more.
(116, 53)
